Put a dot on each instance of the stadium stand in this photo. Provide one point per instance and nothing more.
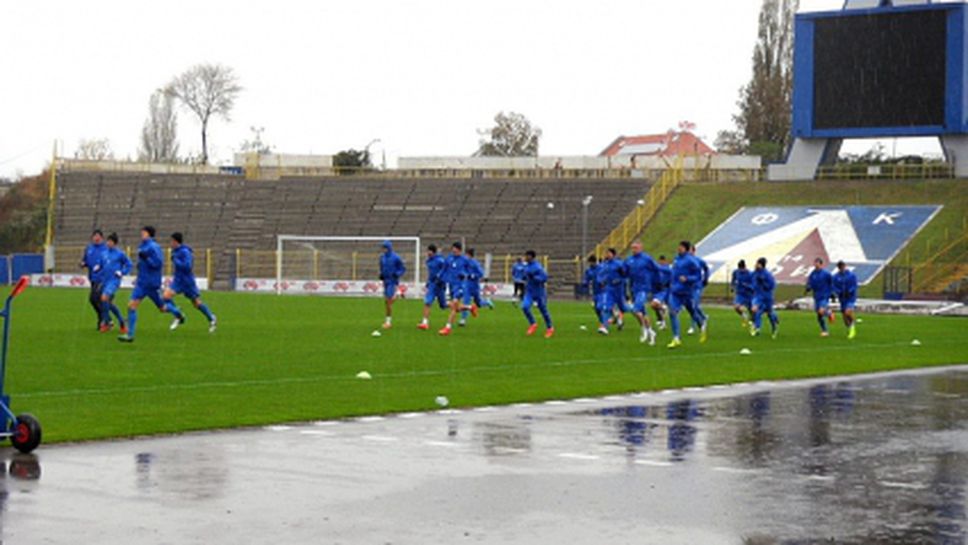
(226, 213)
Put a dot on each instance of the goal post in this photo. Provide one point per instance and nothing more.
(341, 259)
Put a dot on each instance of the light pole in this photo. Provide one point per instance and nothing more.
(366, 150)
(584, 225)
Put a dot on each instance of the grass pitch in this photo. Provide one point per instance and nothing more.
(278, 359)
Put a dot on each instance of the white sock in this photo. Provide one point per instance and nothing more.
(425, 321)
(389, 319)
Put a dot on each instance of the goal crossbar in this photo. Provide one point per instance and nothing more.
(282, 239)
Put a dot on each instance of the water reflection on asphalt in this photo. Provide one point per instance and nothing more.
(868, 460)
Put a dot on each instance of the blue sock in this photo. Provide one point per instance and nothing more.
(545, 315)
(132, 321)
(117, 314)
(758, 318)
(203, 308)
(171, 307)
(674, 322)
(105, 312)
(822, 318)
(528, 314)
(774, 320)
(463, 315)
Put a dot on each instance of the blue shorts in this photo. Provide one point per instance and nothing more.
(438, 292)
(110, 287)
(661, 297)
(456, 291)
(151, 292)
(821, 304)
(763, 303)
(539, 298)
(640, 301)
(743, 300)
(678, 301)
(187, 287)
(389, 289)
(848, 304)
(616, 298)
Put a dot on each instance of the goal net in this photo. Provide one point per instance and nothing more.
(341, 265)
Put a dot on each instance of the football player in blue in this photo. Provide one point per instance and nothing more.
(661, 283)
(108, 273)
(686, 273)
(391, 270)
(92, 256)
(641, 270)
(436, 287)
(455, 274)
(742, 285)
(821, 283)
(148, 283)
(763, 286)
(517, 277)
(591, 285)
(536, 294)
(612, 275)
(698, 293)
(845, 289)
(472, 288)
(184, 283)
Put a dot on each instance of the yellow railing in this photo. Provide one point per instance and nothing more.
(631, 227)
(948, 261)
(67, 261)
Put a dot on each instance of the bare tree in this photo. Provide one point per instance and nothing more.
(206, 90)
(159, 141)
(512, 136)
(94, 149)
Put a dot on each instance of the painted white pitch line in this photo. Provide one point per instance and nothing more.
(555, 402)
(726, 469)
(614, 398)
(584, 400)
(444, 444)
(693, 389)
(653, 463)
(909, 486)
(278, 428)
(578, 456)
(380, 438)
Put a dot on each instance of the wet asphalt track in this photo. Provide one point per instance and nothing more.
(877, 459)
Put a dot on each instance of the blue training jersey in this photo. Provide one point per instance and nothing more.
(763, 284)
(150, 261)
(183, 261)
(821, 283)
(435, 269)
(686, 274)
(612, 273)
(475, 272)
(641, 269)
(845, 285)
(535, 277)
(662, 279)
(704, 268)
(742, 282)
(455, 268)
(92, 256)
(391, 267)
(590, 280)
(114, 264)
(517, 271)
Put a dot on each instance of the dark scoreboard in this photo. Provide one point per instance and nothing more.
(889, 71)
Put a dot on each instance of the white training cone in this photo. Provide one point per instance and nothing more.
(583, 328)
(442, 401)
(363, 375)
(915, 342)
(745, 352)
(376, 333)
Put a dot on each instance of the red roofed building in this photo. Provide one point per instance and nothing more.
(667, 144)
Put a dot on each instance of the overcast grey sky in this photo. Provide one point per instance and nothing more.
(421, 75)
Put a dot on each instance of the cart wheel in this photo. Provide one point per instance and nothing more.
(26, 433)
